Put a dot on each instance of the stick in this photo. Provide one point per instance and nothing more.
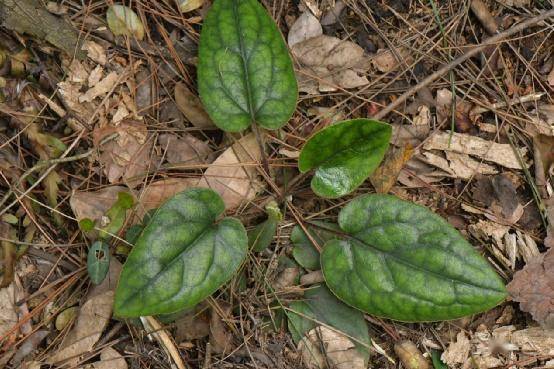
(462, 58)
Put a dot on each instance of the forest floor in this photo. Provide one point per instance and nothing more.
(476, 146)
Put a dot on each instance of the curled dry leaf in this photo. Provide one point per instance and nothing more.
(304, 28)
(502, 154)
(326, 348)
(93, 205)
(533, 288)
(384, 178)
(410, 356)
(185, 150)
(233, 174)
(190, 105)
(127, 156)
(328, 63)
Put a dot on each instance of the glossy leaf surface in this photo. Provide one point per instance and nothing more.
(98, 261)
(320, 305)
(303, 251)
(406, 263)
(245, 72)
(181, 257)
(344, 155)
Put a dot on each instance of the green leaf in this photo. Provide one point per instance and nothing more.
(344, 155)
(304, 252)
(403, 262)
(436, 359)
(116, 215)
(98, 261)
(86, 224)
(245, 72)
(319, 305)
(123, 20)
(181, 257)
(261, 236)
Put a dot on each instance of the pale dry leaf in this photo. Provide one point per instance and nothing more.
(190, 105)
(423, 116)
(77, 73)
(221, 339)
(502, 154)
(95, 52)
(533, 288)
(94, 205)
(330, 62)
(323, 345)
(233, 174)
(110, 359)
(122, 20)
(549, 240)
(410, 356)
(331, 16)
(120, 114)
(93, 318)
(465, 167)
(95, 76)
(101, 88)
(186, 149)
(156, 193)
(457, 352)
(304, 28)
(535, 341)
(517, 3)
(386, 61)
(70, 93)
(550, 78)
(8, 314)
(190, 5)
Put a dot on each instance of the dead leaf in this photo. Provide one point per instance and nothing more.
(338, 352)
(95, 52)
(286, 278)
(110, 359)
(190, 105)
(8, 314)
(233, 174)
(95, 76)
(330, 63)
(386, 61)
(533, 288)
(185, 150)
(517, 3)
(94, 205)
(304, 28)
(29, 346)
(93, 318)
(221, 339)
(457, 352)
(101, 88)
(410, 356)
(550, 78)
(384, 178)
(193, 325)
(535, 340)
(331, 16)
(549, 240)
(156, 193)
(443, 103)
(129, 155)
(502, 154)
(70, 93)
(543, 153)
(190, 5)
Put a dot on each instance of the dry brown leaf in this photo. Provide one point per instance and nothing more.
(535, 340)
(457, 352)
(549, 240)
(156, 193)
(70, 93)
(110, 359)
(410, 356)
(338, 351)
(502, 154)
(8, 314)
(101, 88)
(330, 63)
(94, 205)
(543, 153)
(519, 3)
(190, 105)
(286, 278)
(384, 178)
(93, 318)
(331, 15)
(129, 155)
(95, 76)
(550, 78)
(185, 150)
(96, 52)
(533, 288)
(221, 339)
(233, 174)
(193, 325)
(443, 104)
(304, 28)
(385, 60)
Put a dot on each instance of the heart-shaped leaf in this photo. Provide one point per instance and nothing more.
(344, 155)
(321, 307)
(98, 261)
(404, 262)
(181, 257)
(245, 72)
(304, 252)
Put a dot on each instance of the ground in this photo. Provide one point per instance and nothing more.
(91, 109)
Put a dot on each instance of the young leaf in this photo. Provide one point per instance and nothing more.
(98, 261)
(260, 237)
(406, 263)
(123, 20)
(116, 215)
(304, 252)
(319, 305)
(245, 72)
(344, 155)
(86, 224)
(181, 257)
